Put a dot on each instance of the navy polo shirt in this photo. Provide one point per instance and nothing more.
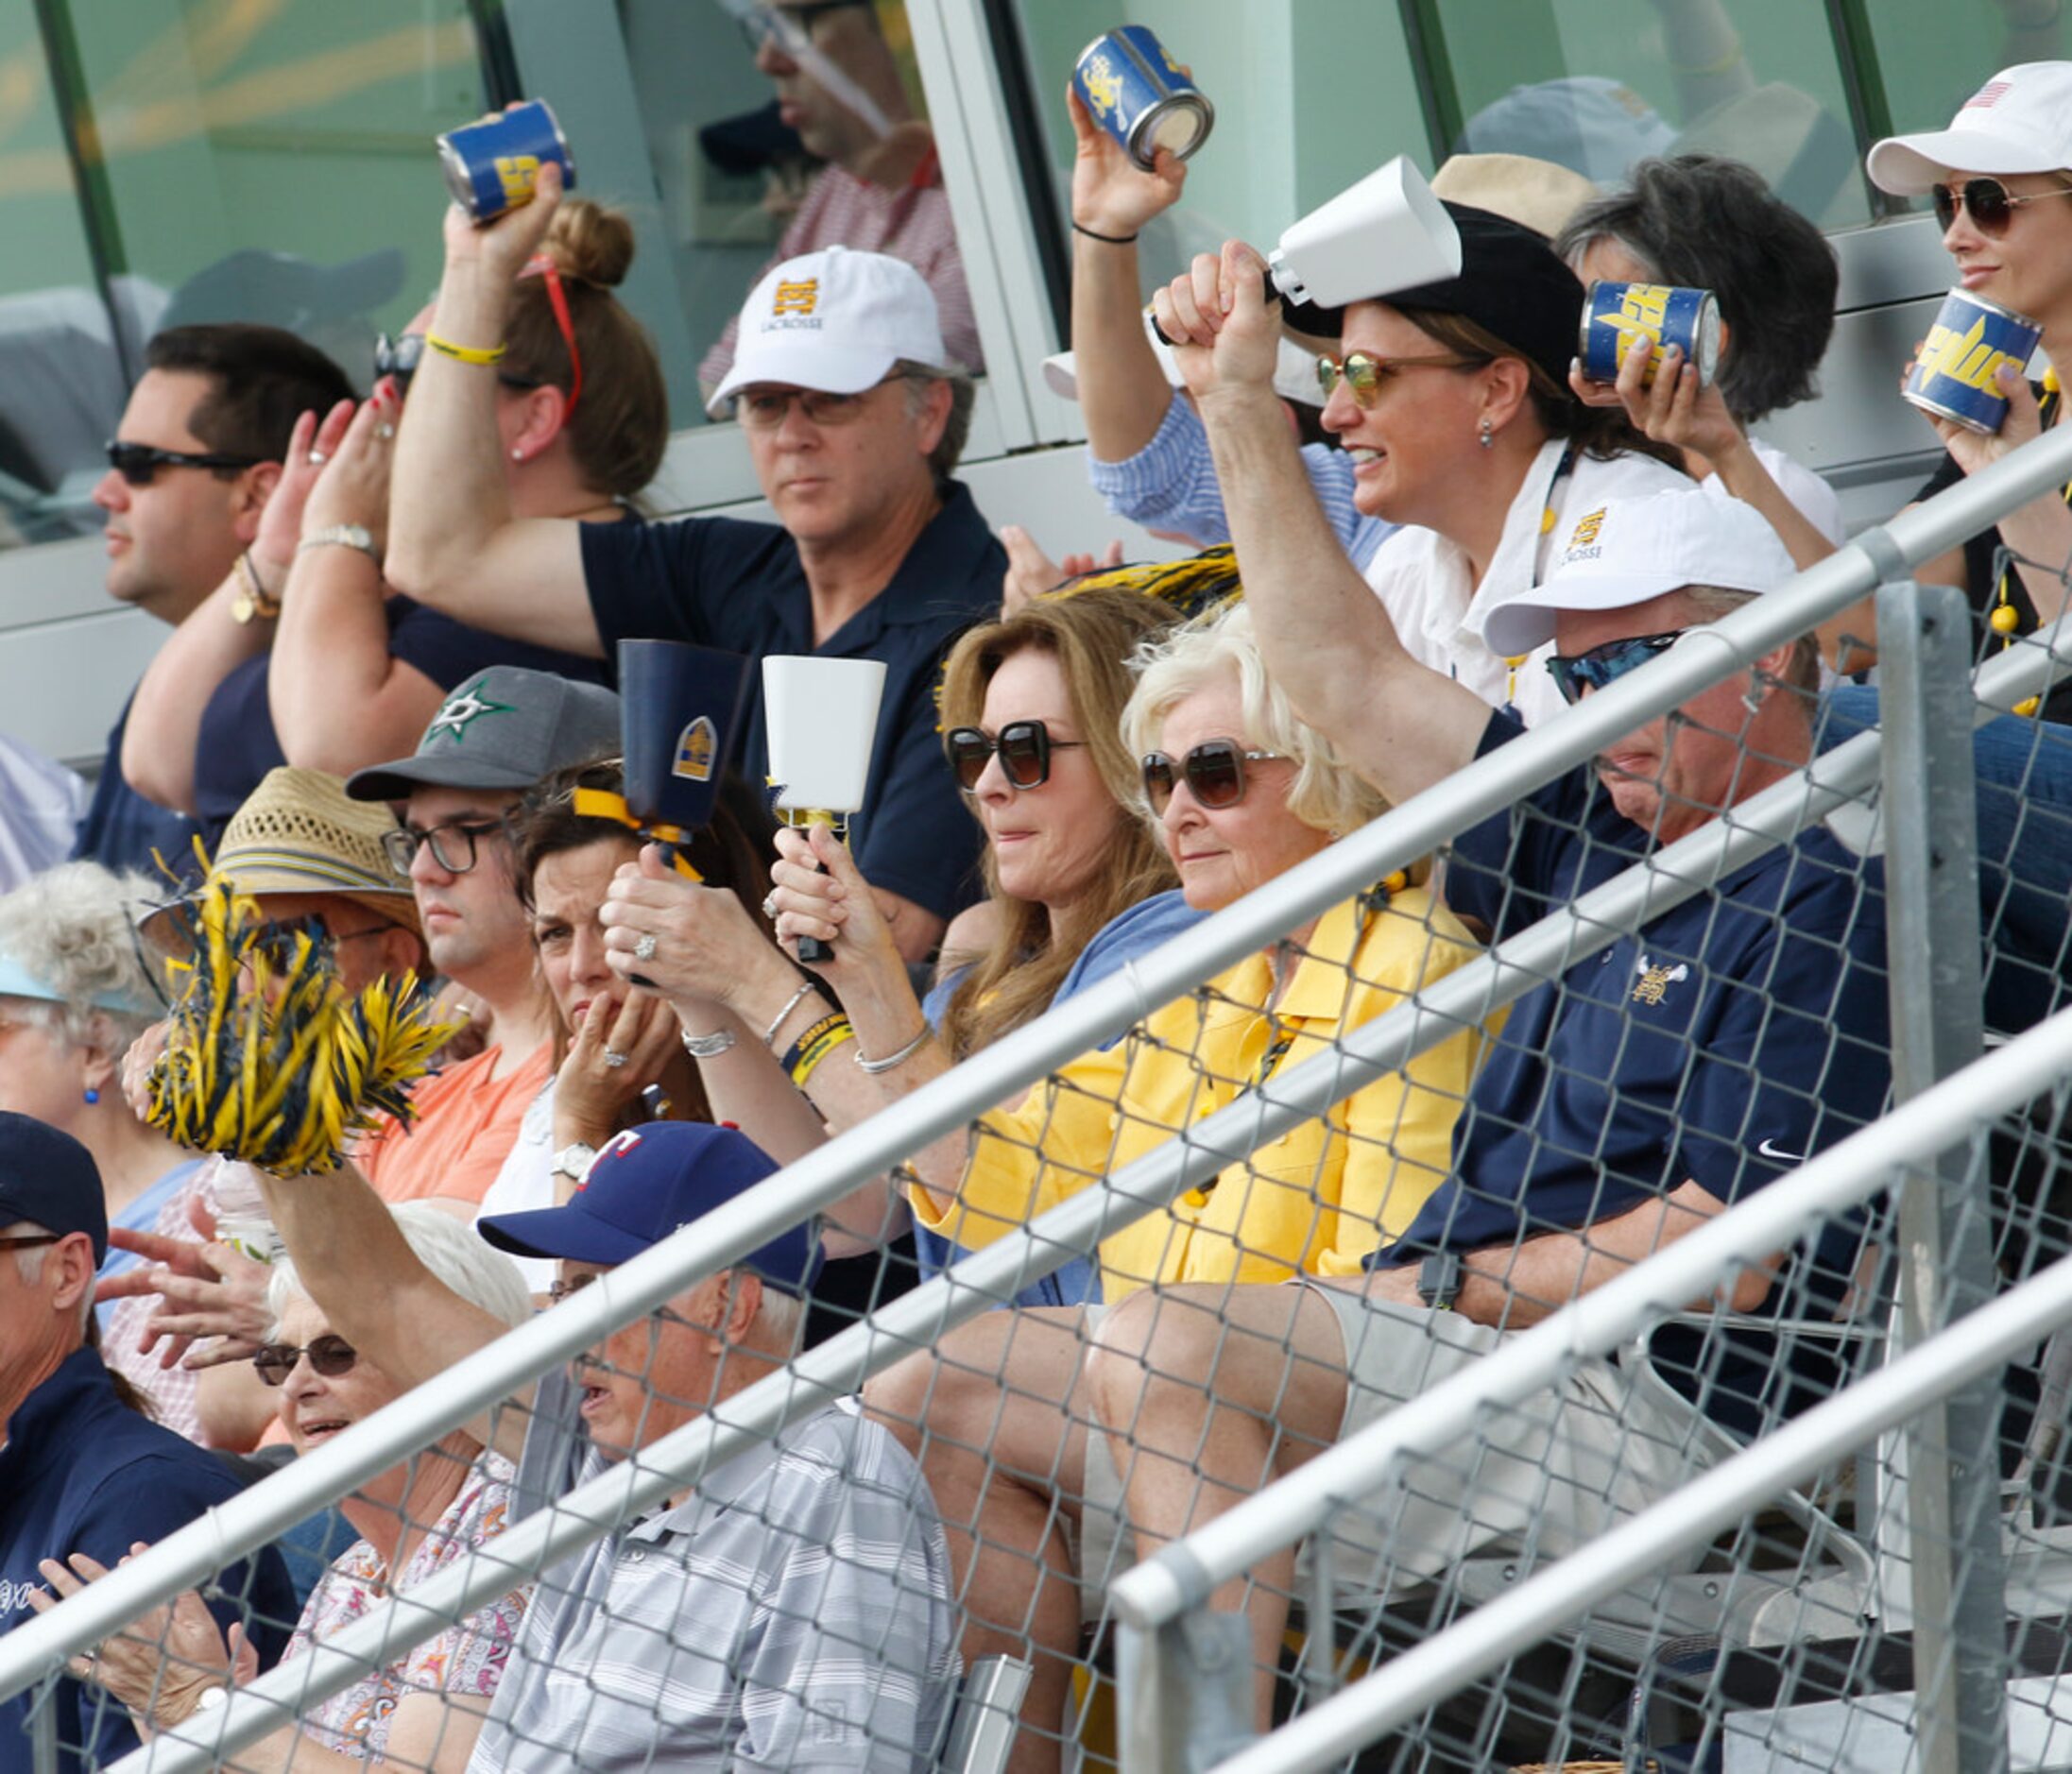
(1733, 1036)
(122, 830)
(237, 746)
(82, 1473)
(718, 581)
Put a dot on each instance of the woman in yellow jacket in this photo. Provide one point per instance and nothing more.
(1239, 791)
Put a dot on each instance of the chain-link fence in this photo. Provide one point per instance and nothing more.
(1571, 1144)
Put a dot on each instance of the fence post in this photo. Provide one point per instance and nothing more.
(1187, 1692)
(1951, 1490)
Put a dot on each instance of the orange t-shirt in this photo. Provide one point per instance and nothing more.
(467, 1124)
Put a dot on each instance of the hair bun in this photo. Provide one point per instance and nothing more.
(591, 242)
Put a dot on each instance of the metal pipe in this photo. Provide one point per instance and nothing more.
(1185, 1573)
(1645, 1543)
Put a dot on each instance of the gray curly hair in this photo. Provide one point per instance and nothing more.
(73, 929)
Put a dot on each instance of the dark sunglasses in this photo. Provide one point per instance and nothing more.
(1023, 747)
(1575, 673)
(398, 359)
(138, 463)
(1214, 771)
(452, 844)
(1989, 203)
(1364, 374)
(330, 1356)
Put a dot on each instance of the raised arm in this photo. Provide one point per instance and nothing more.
(1325, 634)
(1123, 391)
(340, 699)
(454, 541)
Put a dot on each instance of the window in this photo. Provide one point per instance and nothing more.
(176, 160)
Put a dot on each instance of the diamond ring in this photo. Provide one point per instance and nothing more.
(318, 458)
(614, 1060)
(644, 948)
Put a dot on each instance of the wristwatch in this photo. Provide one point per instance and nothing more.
(342, 536)
(1439, 1278)
(574, 1160)
(210, 1698)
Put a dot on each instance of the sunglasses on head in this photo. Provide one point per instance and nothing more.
(1989, 203)
(1214, 773)
(330, 1356)
(398, 358)
(1023, 748)
(1364, 373)
(1575, 673)
(138, 463)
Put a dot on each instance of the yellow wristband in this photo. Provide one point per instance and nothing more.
(466, 354)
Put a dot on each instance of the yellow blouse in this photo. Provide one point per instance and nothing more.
(1323, 1198)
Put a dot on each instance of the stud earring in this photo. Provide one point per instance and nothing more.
(518, 456)
(1488, 442)
(92, 1095)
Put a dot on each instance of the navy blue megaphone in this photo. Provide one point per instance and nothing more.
(680, 709)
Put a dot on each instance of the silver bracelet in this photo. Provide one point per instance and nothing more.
(707, 1047)
(792, 1003)
(900, 1058)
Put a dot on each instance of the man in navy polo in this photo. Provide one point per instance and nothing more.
(854, 417)
(1629, 1098)
(81, 1474)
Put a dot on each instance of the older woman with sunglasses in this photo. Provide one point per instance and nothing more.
(1031, 707)
(1998, 177)
(423, 1708)
(1239, 791)
(303, 655)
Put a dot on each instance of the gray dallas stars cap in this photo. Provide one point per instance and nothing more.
(503, 728)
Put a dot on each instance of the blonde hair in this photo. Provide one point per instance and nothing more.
(1327, 793)
(1091, 633)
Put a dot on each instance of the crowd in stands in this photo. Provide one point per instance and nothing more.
(387, 710)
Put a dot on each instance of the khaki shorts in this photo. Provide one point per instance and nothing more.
(1544, 1478)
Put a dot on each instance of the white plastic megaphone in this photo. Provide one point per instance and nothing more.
(822, 717)
(1388, 232)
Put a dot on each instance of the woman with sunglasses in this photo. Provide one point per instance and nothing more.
(1999, 178)
(1031, 709)
(1239, 791)
(303, 655)
(416, 1519)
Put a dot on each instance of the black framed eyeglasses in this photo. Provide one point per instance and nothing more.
(1575, 673)
(766, 409)
(279, 941)
(330, 1356)
(1364, 373)
(1989, 203)
(558, 1290)
(790, 25)
(139, 463)
(1023, 748)
(28, 1240)
(453, 843)
(1213, 770)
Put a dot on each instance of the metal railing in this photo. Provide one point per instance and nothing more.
(36, 1650)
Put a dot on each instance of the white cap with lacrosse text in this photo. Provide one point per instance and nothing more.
(833, 321)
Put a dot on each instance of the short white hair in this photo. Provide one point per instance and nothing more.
(1326, 794)
(457, 1254)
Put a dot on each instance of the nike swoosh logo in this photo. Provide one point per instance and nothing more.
(1769, 1150)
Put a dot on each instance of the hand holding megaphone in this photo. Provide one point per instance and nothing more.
(1219, 308)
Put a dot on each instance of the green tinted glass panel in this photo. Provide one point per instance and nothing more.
(1311, 95)
(1597, 87)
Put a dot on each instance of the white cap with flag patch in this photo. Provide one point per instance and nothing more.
(2020, 121)
(833, 321)
(1629, 550)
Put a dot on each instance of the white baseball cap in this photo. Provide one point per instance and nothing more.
(1294, 372)
(1627, 551)
(2019, 121)
(834, 321)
